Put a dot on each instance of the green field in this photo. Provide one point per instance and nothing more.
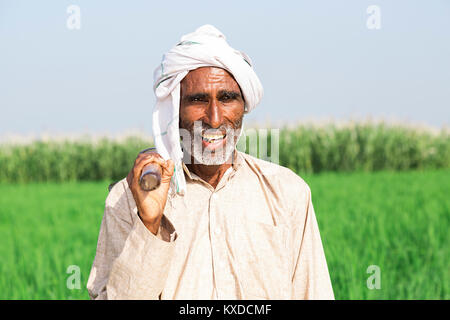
(396, 220)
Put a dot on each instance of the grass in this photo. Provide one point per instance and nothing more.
(396, 220)
(46, 228)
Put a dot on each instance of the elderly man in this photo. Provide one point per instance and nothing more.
(222, 224)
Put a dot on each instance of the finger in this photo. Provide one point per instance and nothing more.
(168, 172)
(130, 177)
(146, 155)
(143, 160)
(168, 169)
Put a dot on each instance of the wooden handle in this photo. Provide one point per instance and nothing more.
(150, 177)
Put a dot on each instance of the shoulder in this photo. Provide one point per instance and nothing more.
(286, 183)
(119, 202)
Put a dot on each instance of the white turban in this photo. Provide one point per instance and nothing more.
(206, 47)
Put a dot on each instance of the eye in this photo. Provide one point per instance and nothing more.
(226, 97)
(196, 99)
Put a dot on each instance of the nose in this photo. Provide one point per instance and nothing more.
(214, 114)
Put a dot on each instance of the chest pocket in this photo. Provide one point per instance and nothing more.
(263, 260)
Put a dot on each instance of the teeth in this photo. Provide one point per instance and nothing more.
(212, 137)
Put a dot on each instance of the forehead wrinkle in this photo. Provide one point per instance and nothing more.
(210, 76)
(217, 77)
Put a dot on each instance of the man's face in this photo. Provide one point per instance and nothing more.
(211, 111)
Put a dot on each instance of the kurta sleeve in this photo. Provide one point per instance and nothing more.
(130, 262)
(311, 279)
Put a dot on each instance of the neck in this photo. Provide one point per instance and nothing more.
(210, 174)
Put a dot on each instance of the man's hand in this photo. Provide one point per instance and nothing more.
(150, 204)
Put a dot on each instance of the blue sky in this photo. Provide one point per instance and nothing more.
(315, 59)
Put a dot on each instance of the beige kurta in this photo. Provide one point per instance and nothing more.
(253, 237)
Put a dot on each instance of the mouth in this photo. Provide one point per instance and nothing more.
(213, 140)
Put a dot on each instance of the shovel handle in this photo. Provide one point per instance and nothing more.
(150, 178)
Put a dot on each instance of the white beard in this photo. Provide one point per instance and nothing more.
(193, 147)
